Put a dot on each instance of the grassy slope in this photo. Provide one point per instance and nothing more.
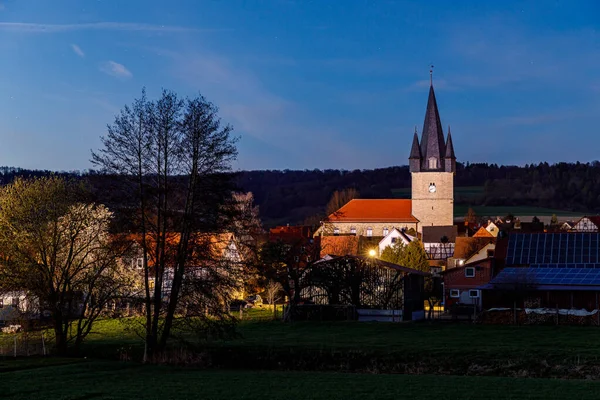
(115, 380)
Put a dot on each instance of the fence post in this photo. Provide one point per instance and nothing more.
(15, 345)
(43, 345)
(241, 313)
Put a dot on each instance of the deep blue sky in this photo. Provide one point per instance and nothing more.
(307, 84)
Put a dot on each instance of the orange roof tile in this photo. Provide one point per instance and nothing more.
(465, 247)
(482, 232)
(339, 245)
(374, 210)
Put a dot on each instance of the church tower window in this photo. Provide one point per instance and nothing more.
(433, 163)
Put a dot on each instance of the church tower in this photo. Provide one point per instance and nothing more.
(432, 166)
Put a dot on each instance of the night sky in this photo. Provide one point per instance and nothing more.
(307, 84)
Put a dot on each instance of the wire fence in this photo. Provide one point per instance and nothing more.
(24, 344)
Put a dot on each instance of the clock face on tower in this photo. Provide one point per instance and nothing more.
(432, 188)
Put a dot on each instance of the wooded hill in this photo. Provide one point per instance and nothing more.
(296, 196)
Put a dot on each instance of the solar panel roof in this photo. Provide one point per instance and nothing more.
(554, 249)
(548, 276)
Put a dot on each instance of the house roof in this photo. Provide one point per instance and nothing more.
(433, 234)
(478, 263)
(482, 232)
(553, 249)
(339, 245)
(543, 278)
(374, 210)
(217, 243)
(399, 233)
(290, 232)
(595, 219)
(465, 247)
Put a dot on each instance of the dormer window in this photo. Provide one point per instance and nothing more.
(336, 231)
(385, 231)
(432, 163)
(353, 230)
(369, 232)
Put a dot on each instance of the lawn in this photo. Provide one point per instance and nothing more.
(413, 338)
(414, 348)
(453, 349)
(117, 380)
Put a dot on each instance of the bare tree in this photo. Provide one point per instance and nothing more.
(272, 291)
(339, 198)
(173, 158)
(58, 250)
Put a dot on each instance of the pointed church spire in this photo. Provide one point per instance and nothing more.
(414, 160)
(449, 157)
(415, 151)
(432, 139)
(449, 146)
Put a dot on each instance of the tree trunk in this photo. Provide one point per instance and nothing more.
(61, 336)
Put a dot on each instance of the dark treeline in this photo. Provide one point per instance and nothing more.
(293, 196)
(297, 196)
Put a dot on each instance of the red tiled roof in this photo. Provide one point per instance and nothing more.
(374, 210)
(289, 232)
(482, 232)
(339, 245)
(465, 247)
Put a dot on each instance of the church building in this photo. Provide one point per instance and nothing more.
(432, 164)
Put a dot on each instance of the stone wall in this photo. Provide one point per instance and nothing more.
(437, 208)
(361, 227)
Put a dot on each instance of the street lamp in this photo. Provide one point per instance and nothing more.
(372, 253)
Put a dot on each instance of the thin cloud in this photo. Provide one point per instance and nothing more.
(115, 69)
(78, 50)
(26, 27)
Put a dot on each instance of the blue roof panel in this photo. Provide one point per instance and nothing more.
(547, 276)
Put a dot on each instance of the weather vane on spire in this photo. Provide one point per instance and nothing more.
(431, 75)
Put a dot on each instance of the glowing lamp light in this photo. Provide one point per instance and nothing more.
(461, 262)
(372, 253)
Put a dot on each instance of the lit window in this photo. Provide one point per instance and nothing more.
(353, 230)
(454, 293)
(385, 231)
(369, 232)
(139, 263)
(1, 303)
(474, 294)
(336, 231)
(470, 272)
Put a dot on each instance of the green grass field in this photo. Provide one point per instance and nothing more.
(451, 349)
(117, 380)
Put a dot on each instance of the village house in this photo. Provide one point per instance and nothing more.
(548, 270)
(462, 284)
(587, 224)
